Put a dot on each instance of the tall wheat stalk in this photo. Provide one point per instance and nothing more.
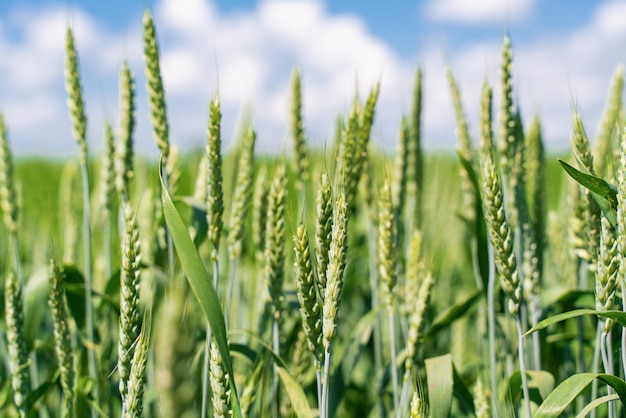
(215, 209)
(107, 184)
(241, 200)
(79, 128)
(16, 343)
(129, 302)
(310, 306)
(158, 111)
(62, 338)
(301, 152)
(332, 291)
(621, 234)
(387, 267)
(501, 235)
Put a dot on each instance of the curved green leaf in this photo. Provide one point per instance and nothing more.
(463, 395)
(440, 385)
(296, 394)
(74, 285)
(454, 312)
(568, 390)
(540, 383)
(617, 316)
(292, 387)
(596, 403)
(561, 296)
(604, 193)
(201, 285)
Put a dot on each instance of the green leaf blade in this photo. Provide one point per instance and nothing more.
(440, 378)
(200, 284)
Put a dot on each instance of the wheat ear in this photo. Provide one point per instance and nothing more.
(215, 209)
(300, 148)
(332, 293)
(16, 342)
(621, 233)
(156, 92)
(136, 381)
(220, 388)
(125, 156)
(323, 230)
(416, 158)
(310, 308)
(8, 192)
(129, 300)
(62, 337)
(274, 241)
(79, 126)
(500, 233)
(242, 195)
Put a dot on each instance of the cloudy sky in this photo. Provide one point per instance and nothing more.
(565, 52)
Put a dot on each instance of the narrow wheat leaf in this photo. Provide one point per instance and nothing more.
(44, 387)
(296, 394)
(201, 285)
(604, 193)
(361, 333)
(294, 389)
(596, 403)
(74, 285)
(541, 381)
(566, 392)
(469, 168)
(559, 296)
(617, 316)
(36, 293)
(456, 311)
(440, 385)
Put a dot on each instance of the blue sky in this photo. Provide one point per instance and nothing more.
(565, 53)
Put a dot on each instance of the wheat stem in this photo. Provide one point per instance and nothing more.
(79, 125)
(16, 342)
(332, 292)
(129, 300)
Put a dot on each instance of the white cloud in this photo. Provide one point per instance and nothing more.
(479, 11)
(552, 77)
(252, 54)
(249, 56)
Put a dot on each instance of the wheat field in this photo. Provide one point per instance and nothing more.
(344, 282)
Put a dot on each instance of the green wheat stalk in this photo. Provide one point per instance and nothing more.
(129, 301)
(300, 148)
(387, 268)
(16, 343)
(323, 230)
(500, 234)
(215, 209)
(156, 92)
(107, 178)
(136, 381)
(608, 127)
(241, 200)
(79, 127)
(621, 233)
(62, 337)
(416, 158)
(125, 155)
(332, 292)
(158, 113)
(310, 307)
